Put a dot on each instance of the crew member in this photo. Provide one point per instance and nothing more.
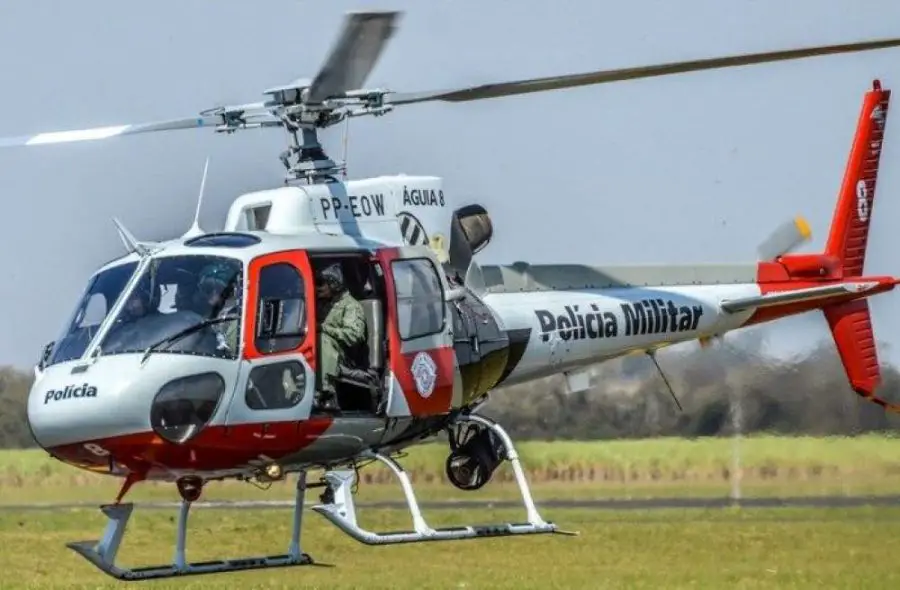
(343, 328)
(218, 286)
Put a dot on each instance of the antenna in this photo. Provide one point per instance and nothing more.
(195, 230)
(652, 354)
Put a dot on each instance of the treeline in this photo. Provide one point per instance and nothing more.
(719, 388)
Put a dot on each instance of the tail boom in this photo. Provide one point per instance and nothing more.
(562, 317)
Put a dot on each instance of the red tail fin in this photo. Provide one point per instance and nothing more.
(850, 322)
(850, 225)
(851, 328)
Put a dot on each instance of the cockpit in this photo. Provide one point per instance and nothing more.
(188, 304)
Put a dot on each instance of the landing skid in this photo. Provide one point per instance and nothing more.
(102, 553)
(339, 508)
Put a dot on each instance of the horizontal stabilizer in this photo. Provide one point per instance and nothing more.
(796, 296)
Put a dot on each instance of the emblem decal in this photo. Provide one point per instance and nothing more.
(424, 372)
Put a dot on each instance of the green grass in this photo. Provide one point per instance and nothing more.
(642, 468)
(778, 548)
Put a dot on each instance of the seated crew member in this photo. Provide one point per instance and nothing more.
(218, 289)
(343, 328)
(127, 330)
(137, 306)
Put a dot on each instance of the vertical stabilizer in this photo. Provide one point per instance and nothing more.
(851, 322)
(852, 218)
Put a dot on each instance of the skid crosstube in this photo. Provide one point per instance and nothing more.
(340, 510)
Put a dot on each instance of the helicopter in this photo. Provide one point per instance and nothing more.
(142, 384)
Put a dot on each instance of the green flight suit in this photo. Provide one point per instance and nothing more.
(344, 327)
(227, 331)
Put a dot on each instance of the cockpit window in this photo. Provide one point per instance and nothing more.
(181, 304)
(101, 295)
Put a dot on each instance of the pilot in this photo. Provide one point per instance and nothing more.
(218, 290)
(343, 328)
(137, 306)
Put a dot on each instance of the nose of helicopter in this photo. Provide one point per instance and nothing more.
(68, 403)
(73, 406)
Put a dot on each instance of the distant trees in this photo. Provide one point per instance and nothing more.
(628, 399)
(14, 386)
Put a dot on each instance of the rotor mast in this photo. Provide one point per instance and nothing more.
(305, 158)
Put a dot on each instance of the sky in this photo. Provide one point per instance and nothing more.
(690, 168)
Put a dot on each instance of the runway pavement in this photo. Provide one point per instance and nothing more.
(600, 504)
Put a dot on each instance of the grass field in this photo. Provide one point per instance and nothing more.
(775, 548)
(641, 468)
(696, 548)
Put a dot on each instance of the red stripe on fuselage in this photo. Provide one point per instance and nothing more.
(216, 448)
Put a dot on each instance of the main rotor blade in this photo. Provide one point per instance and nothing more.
(228, 117)
(604, 76)
(107, 132)
(354, 54)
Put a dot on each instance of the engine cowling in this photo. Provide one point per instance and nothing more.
(481, 346)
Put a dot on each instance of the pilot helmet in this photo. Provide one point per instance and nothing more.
(331, 276)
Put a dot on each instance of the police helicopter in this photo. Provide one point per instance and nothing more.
(199, 358)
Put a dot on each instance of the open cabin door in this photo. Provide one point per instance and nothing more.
(276, 384)
(423, 377)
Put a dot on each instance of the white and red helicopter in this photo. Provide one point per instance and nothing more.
(140, 386)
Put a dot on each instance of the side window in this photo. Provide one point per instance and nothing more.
(282, 294)
(276, 386)
(420, 298)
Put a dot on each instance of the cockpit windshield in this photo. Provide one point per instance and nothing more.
(101, 295)
(181, 304)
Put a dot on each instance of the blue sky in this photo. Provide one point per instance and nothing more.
(698, 167)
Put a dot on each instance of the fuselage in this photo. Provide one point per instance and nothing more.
(98, 410)
(119, 405)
